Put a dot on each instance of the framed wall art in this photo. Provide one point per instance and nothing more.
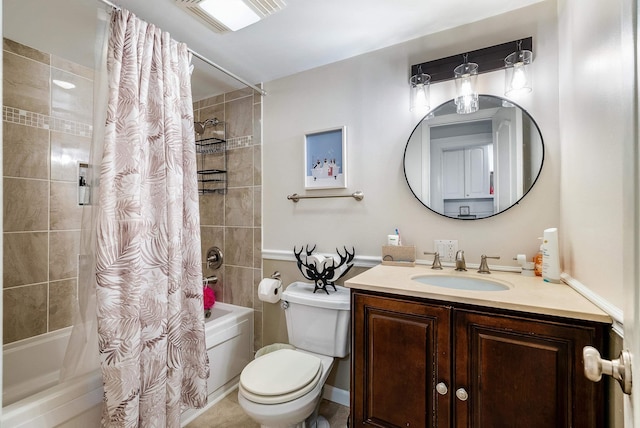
(325, 158)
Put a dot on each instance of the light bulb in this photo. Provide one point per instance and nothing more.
(466, 94)
(419, 85)
(465, 88)
(519, 77)
(421, 96)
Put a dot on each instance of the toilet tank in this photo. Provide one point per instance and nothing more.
(318, 322)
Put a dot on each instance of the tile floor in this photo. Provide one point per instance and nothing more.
(228, 414)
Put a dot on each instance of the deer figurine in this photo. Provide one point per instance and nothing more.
(323, 271)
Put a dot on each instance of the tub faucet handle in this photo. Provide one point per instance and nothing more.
(484, 267)
(461, 265)
(214, 258)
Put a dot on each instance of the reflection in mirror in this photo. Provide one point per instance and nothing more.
(469, 166)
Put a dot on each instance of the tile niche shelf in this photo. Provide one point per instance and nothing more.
(212, 172)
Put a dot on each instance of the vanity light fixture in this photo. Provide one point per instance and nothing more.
(517, 71)
(419, 85)
(466, 75)
(477, 62)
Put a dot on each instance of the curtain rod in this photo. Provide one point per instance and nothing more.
(206, 60)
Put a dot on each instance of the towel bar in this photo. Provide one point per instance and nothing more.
(358, 196)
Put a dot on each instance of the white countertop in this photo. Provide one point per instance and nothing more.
(525, 293)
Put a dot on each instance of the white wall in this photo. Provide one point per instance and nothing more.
(370, 95)
(1, 237)
(596, 135)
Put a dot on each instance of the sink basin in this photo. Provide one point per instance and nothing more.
(460, 282)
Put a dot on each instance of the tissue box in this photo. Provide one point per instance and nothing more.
(399, 255)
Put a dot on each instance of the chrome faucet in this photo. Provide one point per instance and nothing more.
(461, 265)
(484, 267)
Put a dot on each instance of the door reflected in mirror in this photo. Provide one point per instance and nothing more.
(471, 166)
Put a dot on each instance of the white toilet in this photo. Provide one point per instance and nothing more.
(283, 388)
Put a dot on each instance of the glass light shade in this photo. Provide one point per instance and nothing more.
(420, 86)
(466, 93)
(518, 73)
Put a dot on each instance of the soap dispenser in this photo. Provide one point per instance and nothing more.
(550, 256)
(537, 261)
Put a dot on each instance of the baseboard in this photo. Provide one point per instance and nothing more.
(336, 395)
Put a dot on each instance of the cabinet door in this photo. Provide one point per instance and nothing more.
(476, 172)
(465, 173)
(453, 174)
(400, 353)
(523, 373)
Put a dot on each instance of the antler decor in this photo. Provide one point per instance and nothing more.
(323, 270)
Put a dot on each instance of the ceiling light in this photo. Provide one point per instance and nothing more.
(231, 15)
(235, 14)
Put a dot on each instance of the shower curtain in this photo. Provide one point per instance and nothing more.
(148, 257)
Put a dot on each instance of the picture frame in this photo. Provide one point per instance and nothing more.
(325, 159)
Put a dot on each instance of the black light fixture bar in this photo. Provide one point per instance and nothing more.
(488, 59)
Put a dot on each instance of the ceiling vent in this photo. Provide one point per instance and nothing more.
(262, 8)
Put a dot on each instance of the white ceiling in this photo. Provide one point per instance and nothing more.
(304, 35)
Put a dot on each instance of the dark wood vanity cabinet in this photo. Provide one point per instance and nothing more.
(427, 364)
(400, 352)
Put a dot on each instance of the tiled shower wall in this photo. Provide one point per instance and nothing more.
(47, 131)
(233, 221)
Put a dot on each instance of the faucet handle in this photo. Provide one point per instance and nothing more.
(436, 260)
(484, 267)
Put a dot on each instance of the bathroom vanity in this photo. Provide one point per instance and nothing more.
(435, 356)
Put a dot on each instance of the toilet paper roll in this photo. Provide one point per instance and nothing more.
(269, 290)
(521, 258)
(332, 261)
(317, 260)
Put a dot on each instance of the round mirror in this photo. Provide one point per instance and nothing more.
(476, 165)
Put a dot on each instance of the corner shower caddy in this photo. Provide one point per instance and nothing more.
(212, 154)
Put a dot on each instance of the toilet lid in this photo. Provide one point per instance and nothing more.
(280, 376)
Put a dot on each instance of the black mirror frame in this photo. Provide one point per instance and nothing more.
(492, 215)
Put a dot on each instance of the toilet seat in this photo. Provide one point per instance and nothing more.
(280, 376)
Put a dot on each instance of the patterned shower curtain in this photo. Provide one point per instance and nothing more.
(148, 256)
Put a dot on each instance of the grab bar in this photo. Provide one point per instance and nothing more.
(358, 196)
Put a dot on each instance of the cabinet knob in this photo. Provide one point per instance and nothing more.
(442, 388)
(462, 395)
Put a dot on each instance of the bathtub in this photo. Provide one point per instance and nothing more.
(229, 332)
(32, 396)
